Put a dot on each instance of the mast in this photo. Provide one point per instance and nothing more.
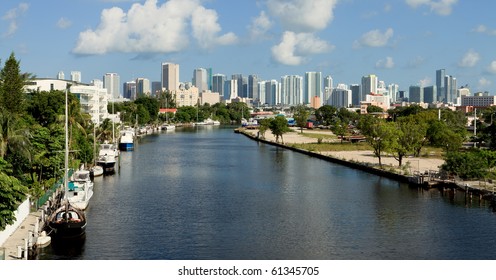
(66, 156)
(113, 121)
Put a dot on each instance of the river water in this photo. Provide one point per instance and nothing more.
(206, 193)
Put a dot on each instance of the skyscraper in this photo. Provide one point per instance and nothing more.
(449, 89)
(230, 90)
(170, 76)
(430, 94)
(393, 92)
(129, 90)
(340, 97)
(355, 95)
(328, 86)
(253, 86)
(313, 86)
(369, 85)
(441, 93)
(218, 81)
(60, 75)
(112, 81)
(200, 79)
(292, 90)
(143, 86)
(416, 94)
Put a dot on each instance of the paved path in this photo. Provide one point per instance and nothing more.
(20, 235)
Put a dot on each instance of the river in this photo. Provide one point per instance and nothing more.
(206, 193)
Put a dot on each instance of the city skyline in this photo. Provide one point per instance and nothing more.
(401, 42)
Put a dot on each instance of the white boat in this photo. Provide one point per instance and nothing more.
(107, 162)
(80, 189)
(126, 142)
(211, 122)
(107, 149)
(168, 126)
(96, 171)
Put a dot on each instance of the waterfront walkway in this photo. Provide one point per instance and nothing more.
(20, 236)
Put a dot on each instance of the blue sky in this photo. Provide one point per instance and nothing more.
(401, 41)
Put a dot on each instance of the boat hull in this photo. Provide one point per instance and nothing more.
(67, 223)
(108, 166)
(126, 146)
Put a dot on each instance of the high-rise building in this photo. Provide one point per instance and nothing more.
(241, 82)
(313, 86)
(112, 82)
(76, 76)
(369, 85)
(328, 86)
(262, 97)
(430, 94)
(450, 89)
(156, 88)
(292, 90)
(253, 86)
(441, 90)
(393, 90)
(218, 81)
(272, 93)
(200, 79)
(209, 79)
(170, 76)
(143, 87)
(230, 90)
(416, 94)
(341, 97)
(355, 95)
(129, 90)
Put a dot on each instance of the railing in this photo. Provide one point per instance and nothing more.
(44, 198)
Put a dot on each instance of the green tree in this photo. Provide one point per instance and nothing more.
(325, 114)
(301, 116)
(340, 128)
(264, 124)
(279, 126)
(12, 96)
(12, 193)
(378, 134)
(374, 109)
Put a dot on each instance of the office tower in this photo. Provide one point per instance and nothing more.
(340, 97)
(143, 87)
(393, 90)
(76, 76)
(111, 81)
(313, 86)
(449, 89)
(430, 94)
(60, 75)
(328, 86)
(441, 93)
(218, 81)
(292, 90)
(416, 94)
(170, 76)
(369, 85)
(355, 95)
(262, 97)
(230, 90)
(156, 88)
(129, 91)
(253, 86)
(209, 79)
(272, 92)
(200, 79)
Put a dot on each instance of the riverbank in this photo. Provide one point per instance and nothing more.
(416, 170)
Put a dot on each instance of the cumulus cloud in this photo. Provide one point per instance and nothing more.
(63, 23)
(295, 48)
(152, 28)
(374, 38)
(484, 83)
(302, 16)
(440, 7)
(387, 63)
(12, 16)
(260, 25)
(470, 59)
(492, 67)
(425, 82)
(484, 29)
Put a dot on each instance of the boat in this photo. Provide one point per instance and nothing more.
(96, 171)
(80, 189)
(126, 142)
(107, 162)
(211, 122)
(168, 127)
(66, 221)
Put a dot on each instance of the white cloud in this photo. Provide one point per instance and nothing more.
(63, 23)
(260, 25)
(153, 28)
(302, 15)
(484, 83)
(387, 63)
(492, 67)
(12, 16)
(440, 7)
(470, 59)
(295, 48)
(374, 38)
(484, 29)
(425, 82)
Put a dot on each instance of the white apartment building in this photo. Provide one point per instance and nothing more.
(478, 101)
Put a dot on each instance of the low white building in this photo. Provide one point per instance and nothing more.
(93, 98)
